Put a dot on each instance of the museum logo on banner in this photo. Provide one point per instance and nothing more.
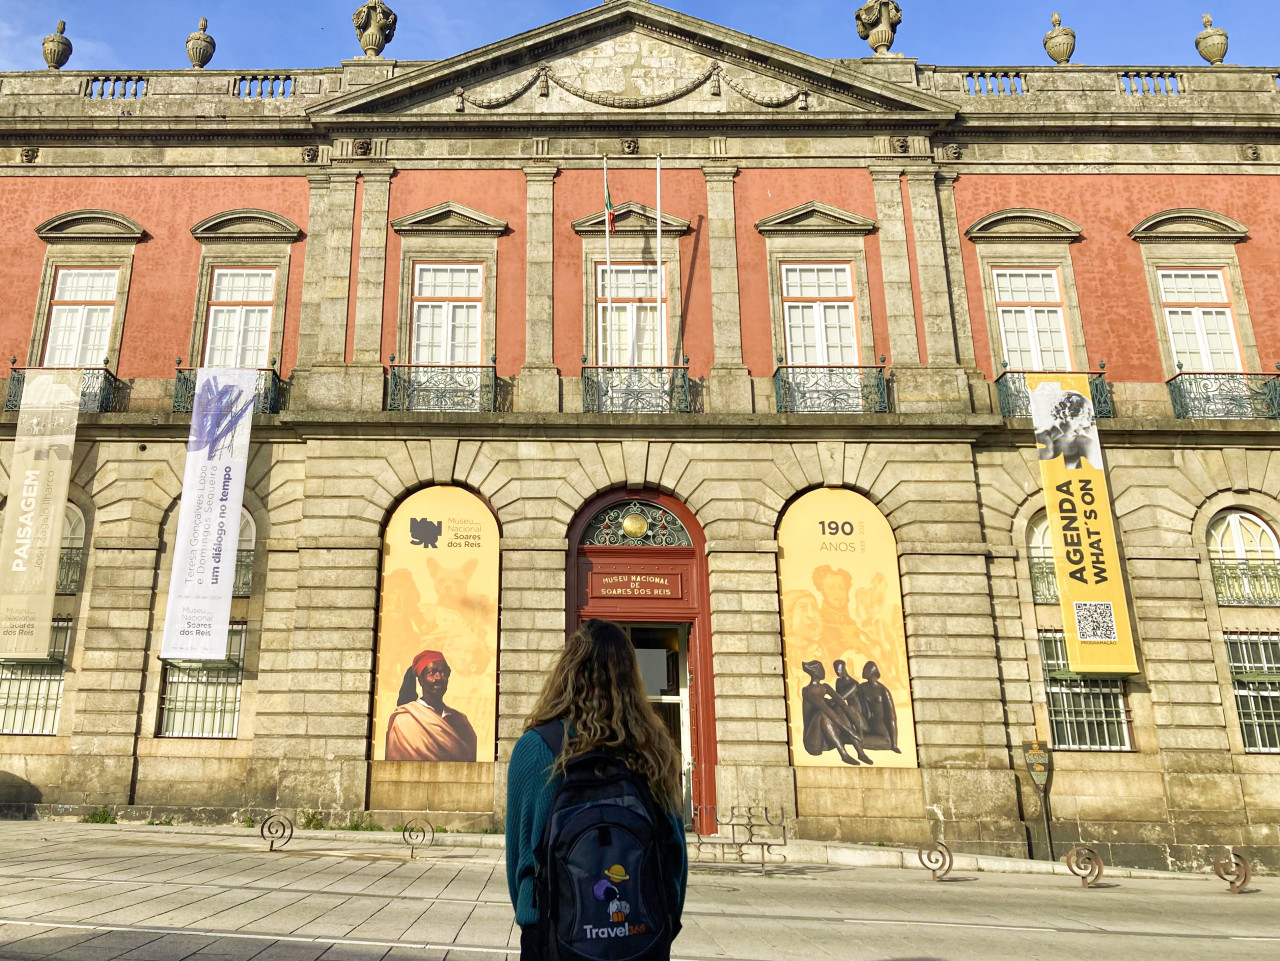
(204, 556)
(1095, 605)
(30, 546)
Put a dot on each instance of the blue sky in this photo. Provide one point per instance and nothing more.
(140, 34)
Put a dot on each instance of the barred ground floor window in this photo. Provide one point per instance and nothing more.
(1255, 677)
(31, 691)
(1085, 713)
(202, 698)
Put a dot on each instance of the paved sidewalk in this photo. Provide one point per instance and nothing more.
(100, 893)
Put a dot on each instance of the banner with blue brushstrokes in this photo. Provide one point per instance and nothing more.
(204, 556)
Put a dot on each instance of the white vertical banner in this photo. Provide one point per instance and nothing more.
(31, 544)
(204, 555)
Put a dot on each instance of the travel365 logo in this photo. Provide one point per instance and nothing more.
(607, 892)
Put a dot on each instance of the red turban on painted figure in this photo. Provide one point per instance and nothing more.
(423, 727)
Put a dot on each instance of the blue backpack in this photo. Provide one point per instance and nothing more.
(603, 886)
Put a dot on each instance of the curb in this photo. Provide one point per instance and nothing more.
(830, 853)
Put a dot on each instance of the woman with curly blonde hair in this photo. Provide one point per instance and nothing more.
(594, 705)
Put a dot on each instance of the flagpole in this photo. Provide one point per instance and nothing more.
(608, 259)
(661, 323)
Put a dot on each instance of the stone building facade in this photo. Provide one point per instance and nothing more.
(987, 221)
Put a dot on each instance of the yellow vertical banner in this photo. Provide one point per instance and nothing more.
(845, 648)
(435, 693)
(1095, 605)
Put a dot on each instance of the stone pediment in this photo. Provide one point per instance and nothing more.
(449, 218)
(815, 217)
(1189, 225)
(89, 227)
(1023, 225)
(246, 225)
(626, 58)
(631, 220)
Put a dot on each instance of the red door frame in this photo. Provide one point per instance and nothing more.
(694, 609)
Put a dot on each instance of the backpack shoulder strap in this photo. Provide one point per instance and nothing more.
(552, 734)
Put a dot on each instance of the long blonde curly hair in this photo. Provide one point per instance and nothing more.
(597, 689)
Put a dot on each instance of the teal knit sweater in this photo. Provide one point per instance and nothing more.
(530, 788)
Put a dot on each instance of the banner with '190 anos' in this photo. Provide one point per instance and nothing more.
(204, 556)
(30, 546)
(1095, 605)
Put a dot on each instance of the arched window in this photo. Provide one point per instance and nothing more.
(1044, 579)
(1244, 556)
(71, 559)
(248, 537)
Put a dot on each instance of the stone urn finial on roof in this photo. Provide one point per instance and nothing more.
(200, 46)
(375, 26)
(877, 22)
(57, 48)
(1212, 42)
(1060, 42)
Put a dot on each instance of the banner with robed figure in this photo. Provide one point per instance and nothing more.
(1095, 605)
(435, 692)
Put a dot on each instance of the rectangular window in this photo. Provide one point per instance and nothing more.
(80, 315)
(1085, 713)
(1255, 675)
(818, 311)
(202, 698)
(241, 302)
(447, 303)
(31, 691)
(1029, 304)
(630, 333)
(1198, 312)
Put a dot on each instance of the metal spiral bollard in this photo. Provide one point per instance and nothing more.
(1085, 863)
(1235, 869)
(277, 829)
(418, 833)
(937, 859)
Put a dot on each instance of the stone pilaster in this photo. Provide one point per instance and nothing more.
(538, 387)
(533, 633)
(313, 269)
(900, 310)
(367, 349)
(951, 233)
(931, 269)
(730, 383)
(752, 767)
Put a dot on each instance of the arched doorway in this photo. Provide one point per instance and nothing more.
(639, 558)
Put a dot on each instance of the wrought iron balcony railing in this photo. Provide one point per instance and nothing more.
(1246, 583)
(242, 586)
(270, 396)
(805, 389)
(635, 390)
(1015, 398)
(1220, 395)
(70, 566)
(1044, 581)
(101, 392)
(458, 387)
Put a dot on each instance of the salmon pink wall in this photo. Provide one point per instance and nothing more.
(761, 193)
(162, 291)
(579, 193)
(1115, 306)
(498, 193)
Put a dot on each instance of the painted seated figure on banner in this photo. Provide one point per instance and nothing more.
(878, 710)
(425, 728)
(829, 722)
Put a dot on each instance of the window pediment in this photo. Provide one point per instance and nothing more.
(630, 219)
(260, 226)
(1022, 225)
(815, 218)
(1189, 225)
(90, 227)
(449, 219)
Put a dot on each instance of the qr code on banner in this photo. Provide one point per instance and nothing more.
(1095, 621)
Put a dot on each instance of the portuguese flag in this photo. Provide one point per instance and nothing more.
(608, 201)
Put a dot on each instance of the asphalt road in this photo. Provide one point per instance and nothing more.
(100, 893)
